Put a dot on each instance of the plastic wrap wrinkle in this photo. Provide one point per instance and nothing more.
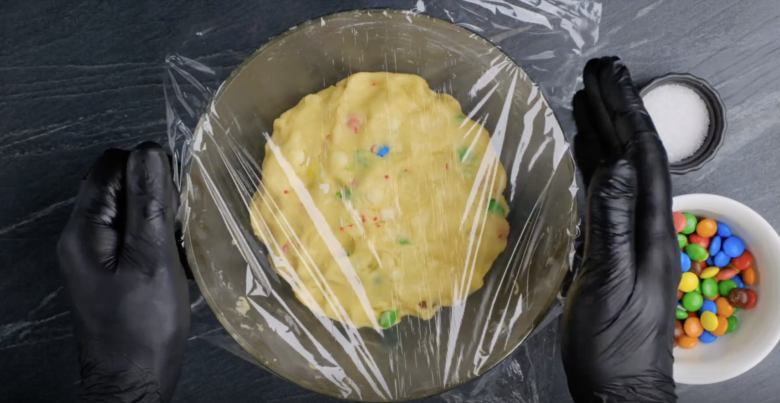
(327, 235)
(528, 127)
(217, 131)
(510, 10)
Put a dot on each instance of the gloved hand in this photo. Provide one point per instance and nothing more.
(120, 264)
(618, 320)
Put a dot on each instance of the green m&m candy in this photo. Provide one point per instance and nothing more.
(462, 154)
(726, 286)
(692, 301)
(387, 318)
(346, 195)
(496, 208)
(733, 322)
(681, 314)
(682, 240)
(709, 287)
(690, 223)
(696, 252)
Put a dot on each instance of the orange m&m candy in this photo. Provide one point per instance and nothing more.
(687, 342)
(707, 228)
(724, 307)
(723, 325)
(749, 276)
(693, 327)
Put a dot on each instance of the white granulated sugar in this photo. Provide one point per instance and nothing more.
(681, 118)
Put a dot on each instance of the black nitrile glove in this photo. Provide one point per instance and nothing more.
(120, 264)
(618, 319)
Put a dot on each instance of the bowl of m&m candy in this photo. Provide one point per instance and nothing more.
(727, 301)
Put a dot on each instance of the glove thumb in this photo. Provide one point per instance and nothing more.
(149, 230)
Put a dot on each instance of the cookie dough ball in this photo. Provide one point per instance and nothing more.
(380, 199)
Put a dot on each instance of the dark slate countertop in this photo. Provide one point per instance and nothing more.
(82, 76)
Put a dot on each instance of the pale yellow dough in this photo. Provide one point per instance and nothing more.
(357, 234)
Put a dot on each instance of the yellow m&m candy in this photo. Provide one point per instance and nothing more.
(688, 282)
(709, 321)
(709, 272)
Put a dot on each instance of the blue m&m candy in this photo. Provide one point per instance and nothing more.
(738, 279)
(721, 259)
(733, 246)
(685, 262)
(724, 231)
(707, 337)
(710, 306)
(715, 244)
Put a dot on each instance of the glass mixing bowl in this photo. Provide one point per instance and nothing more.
(415, 358)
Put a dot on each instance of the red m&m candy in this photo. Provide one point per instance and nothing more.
(679, 222)
(742, 262)
(699, 240)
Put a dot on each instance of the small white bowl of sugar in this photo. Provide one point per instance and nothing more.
(690, 118)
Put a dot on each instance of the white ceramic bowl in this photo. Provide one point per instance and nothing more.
(759, 329)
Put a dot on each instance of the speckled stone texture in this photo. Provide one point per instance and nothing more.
(78, 77)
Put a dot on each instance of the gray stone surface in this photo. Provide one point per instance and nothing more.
(78, 77)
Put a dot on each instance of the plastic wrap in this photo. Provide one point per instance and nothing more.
(223, 133)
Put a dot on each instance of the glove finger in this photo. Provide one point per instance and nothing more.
(643, 148)
(97, 212)
(605, 283)
(101, 187)
(149, 228)
(602, 119)
(587, 144)
(611, 208)
(654, 220)
(623, 102)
